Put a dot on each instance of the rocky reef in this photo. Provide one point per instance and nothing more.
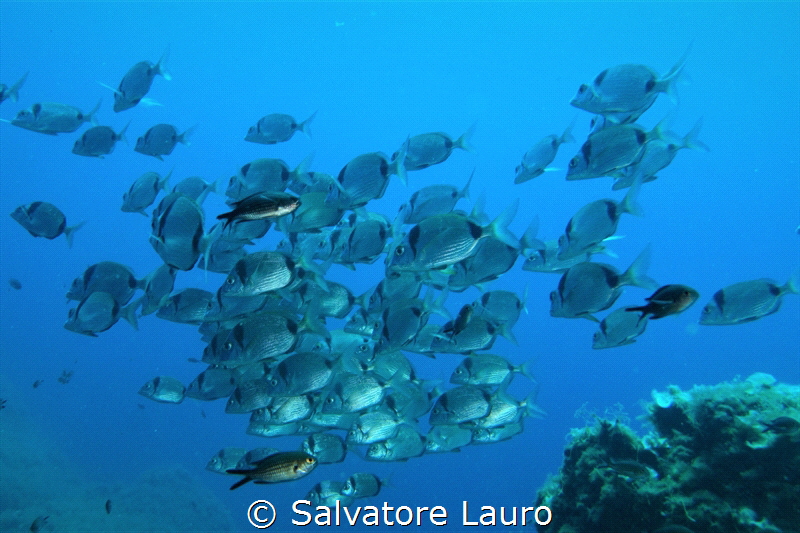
(723, 458)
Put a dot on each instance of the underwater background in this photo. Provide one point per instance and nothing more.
(376, 73)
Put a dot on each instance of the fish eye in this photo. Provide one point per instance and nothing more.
(573, 162)
(399, 251)
(273, 382)
(329, 400)
(228, 345)
(459, 371)
(363, 348)
(230, 280)
(582, 88)
(311, 460)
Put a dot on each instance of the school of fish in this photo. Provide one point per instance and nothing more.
(269, 350)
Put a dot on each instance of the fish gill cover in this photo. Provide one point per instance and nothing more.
(426, 223)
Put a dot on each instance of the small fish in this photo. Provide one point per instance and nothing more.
(12, 93)
(327, 448)
(143, 192)
(497, 434)
(611, 149)
(618, 329)
(108, 506)
(329, 494)
(315, 212)
(432, 200)
(260, 337)
(258, 273)
(53, 118)
(225, 459)
(43, 219)
(667, 300)
(781, 426)
(136, 83)
(15, 283)
(37, 383)
(276, 128)
(458, 325)
(626, 88)
(630, 468)
(366, 177)
(264, 175)
(261, 205)
(426, 149)
(447, 438)
(211, 384)
(163, 389)
(374, 426)
(39, 523)
(157, 287)
(747, 301)
(177, 231)
(279, 467)
(534, 162)
(487, 369)
(116, 279)
(161, 140)
(188, 306)
(406, 444)
(362, 485)
(97, 313)
(590, 287)
(195, 188)
(98, 141)
(3, 403)
(65, 377)
(461, 404)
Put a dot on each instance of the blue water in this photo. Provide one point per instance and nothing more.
(376, 73)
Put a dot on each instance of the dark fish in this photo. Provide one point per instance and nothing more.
(195, 188)
(211, 384)
(15, 283)
(261, 205)
(362, 485)
(432, 200)
(252, 339)
(629, 468)
(279, 467)
(136, 83)
(667, 300)
(276, 128)
(11, 93)
(107, 276)
(39, 523)
(65, 377)
(611, 149)
(53, 118)
(157, 287)
(143, 192)
(458, 325)
(747, 301)
(43, 219)
(366, 177)
(161, 140)
(781, 425)
(3, 403)
(98, 141)
(97, 313)
(263, 176)
(108, 506)
(188, 306)
(37, 383)
(177, 231)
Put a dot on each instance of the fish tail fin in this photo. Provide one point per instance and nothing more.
(525, 370)
(506, 332)
(207, 241)
(532, 409)
(13, 92)
(68, 232)
(149, 102)
(499, 226)
(163, 183)
(465, 191)
(629, 204)
(121, 134)
(478, 214)
(793, 285)
(567, 136)
(668, 82)
(300, 173)
(692, 142)
(241, 481)
(161, 66)
(525, 299)
(90, 116)
(305, 125)
(129, 313)
(637, 273)
(312, 323)
(529, 240)
(400, 162)
(183, 138)
(464, 142)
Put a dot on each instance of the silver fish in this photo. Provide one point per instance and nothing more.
(609, 150)
(426, 149)
(53, 118)
(12, 93)
(374, 426)
(299, 374)
(618, 329)
(492, 258)
(447, 438)
(366, 177)
(252, 457)
(432, 200)
(42, 219)
(195, 188)
(535, 161)
(590, 287)
(461, 404)
(263, 176)
(497, 434)
(107, 276)
(406, 444)
(225, 459)
(187, 306)
(488, 369)
(98, 141)
(136, 83)
(211, 384)
(258, 273)
(164, 389)
(327, 448)
(249, 396)
(161, 140)
(177, 236)
(362, 485)
(747, 301)
(97, 313)
(157, 287)
(143, 192)
(328, 493)
(252, 339)
(276, 128)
